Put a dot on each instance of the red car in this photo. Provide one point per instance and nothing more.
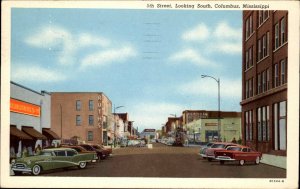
(238, 153)
(106, 151)
(210, 152)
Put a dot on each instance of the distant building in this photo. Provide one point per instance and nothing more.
(172, 124)
(202, 125)
(148, 133)
(82, 117)
(30, 121)
(264, 81)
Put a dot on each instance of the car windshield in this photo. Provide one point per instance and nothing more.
(45, 153)
(234, 148)
(209, 144)
(218, 146)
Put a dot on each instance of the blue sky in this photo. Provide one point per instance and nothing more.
(149, 61)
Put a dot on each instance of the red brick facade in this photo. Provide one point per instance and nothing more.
(264, 76)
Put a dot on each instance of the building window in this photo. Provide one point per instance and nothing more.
(264, 46)
(91, 105)
(264, 126)
(247, 59)
(251, 24)
(91, 120)
(259, 54)
(259, 83)
(280, 126)
(276, 75)
(250, 87)
(276, 36)
(268, 43)
(78, 105)
(282, 72)
(251, 56)
(268, 79)
(264, 83)
(260, 17)
(247, 89)
(248, 124)
(268, 123)
(266, 15)
(282, 31)
(90, 136)
(259, 124)
(78, 120)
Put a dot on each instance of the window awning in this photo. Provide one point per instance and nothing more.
(18, 133)
(33, 133)
(50, 134)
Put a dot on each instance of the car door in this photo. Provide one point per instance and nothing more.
(61, 160)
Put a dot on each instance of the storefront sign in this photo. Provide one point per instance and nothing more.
(21, 107)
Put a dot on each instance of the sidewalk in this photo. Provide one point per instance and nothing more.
(277, 161)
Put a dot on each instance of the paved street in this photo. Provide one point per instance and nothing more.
(165, 161)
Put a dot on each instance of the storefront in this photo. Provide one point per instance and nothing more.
(29, 120)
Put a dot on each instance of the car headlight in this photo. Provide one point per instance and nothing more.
(29, 162)
(13, 161)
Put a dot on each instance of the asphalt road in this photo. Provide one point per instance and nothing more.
(165, 161)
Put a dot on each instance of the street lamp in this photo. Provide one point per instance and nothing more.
(115, 108)
(218, 81)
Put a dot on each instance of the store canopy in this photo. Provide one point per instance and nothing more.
(50, 134)
(14, 131)
(33, 133)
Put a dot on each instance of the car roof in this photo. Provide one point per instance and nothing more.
(57, 149)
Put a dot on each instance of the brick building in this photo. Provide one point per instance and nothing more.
(264, 80)
(81, 116)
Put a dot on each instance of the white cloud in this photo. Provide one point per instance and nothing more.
(226, 47)
(198, 33)
(190, 55)
(153, 114)
(108, 56)
(86, 39)
(223, 30)
(229, 88)
(56, 37)
(33, 73)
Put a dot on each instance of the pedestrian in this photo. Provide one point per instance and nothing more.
(233, 140)
(37, 150)
(25, 152)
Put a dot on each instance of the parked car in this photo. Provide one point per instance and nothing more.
(90, 148)
(210, 152)
(79, 149)
(52, 158)
(238, 153)
(106, 151)
(203, 149)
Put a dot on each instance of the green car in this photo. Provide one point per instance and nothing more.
(52, 158)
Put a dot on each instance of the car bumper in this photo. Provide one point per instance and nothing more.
(22, 170)
(203, 155)
(225, 158)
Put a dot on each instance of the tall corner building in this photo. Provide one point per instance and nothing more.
(81, 115)
(264, 81)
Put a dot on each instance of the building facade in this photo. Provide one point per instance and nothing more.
(202, 125)
(148, 134)
(264, 80)
(30, 119)
(82, 117)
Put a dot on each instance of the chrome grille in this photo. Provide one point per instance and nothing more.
(20, 166)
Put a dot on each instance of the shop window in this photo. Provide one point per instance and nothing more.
(280, 117)
(259, 124)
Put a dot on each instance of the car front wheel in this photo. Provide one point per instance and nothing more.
(36, 170)
(242, 162)
(82, 165)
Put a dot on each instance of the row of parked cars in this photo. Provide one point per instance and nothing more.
(222, 152)
(64, 157)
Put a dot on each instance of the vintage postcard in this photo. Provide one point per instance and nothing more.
(150, 94)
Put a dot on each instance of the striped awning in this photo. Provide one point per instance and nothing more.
(14, 131)
(33, 133)
(50, 134)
